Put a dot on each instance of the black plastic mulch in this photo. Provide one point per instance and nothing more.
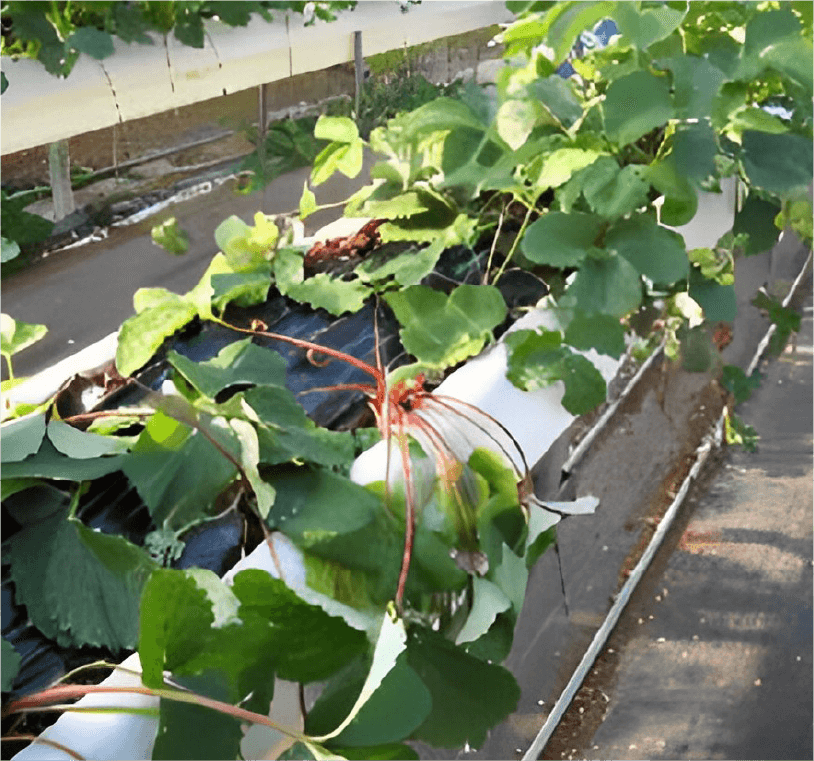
(112, 504)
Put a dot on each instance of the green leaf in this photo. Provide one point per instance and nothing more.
(739, 433)
(337, 129)
(697, 351)
(244, 289)
(3, 88)
(49, 463)
(786, 320)
(613, 192)
(82, 445)
(81, 587)
(680, 198)
(175, 611)
(249, 458)
(489, 600)
(142, 335)
(719, 302)
(537, 359)
(10, 665)
(22, 437)
(16, 336)
(323, 291)
(569, 20)
(188, 27)
(308, 644)
(440, 330)
(656, 252)
(558, 98)
(644, 27)
(596, 331)
(697, 82)
(541, 535)
(345, 157)
(96, 43)
(515, 120)
(245, 246)
(777, 163)
(441, 114)
(559, 239)
(169, 236)
(634, 105)
(216, 735)
(391, 642)
(561, 164)
(287, 433)
(469, 696)
(407, 268)
(308, 202)
(177, 472)
(315, 506)
(394, 751)
(394, 710)
(738, 383)
(404, 205)
(694, 151)
(10, 250)
(609, 285)
(238, 363)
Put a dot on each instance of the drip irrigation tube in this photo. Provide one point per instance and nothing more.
(710, 442)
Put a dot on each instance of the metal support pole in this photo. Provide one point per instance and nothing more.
(359, 67)
(59, 168)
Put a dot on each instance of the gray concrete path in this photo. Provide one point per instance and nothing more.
(714, 655)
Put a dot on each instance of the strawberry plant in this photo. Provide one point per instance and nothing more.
(410, 586)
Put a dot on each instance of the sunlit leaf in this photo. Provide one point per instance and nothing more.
(308, 202)
(338, 129)
(249, 457)
(488, 601)
(141, 336)
(440, 330)
(80, 587)
(169, 236)
(323, 291)
(17, 336)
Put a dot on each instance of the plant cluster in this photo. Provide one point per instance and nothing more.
(413, 584)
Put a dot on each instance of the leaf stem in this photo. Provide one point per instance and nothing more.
(494, 246)
(514, 244)
(44, 741)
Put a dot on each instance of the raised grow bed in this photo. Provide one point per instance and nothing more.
(409, 588)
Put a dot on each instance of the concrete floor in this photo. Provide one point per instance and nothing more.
(713, 657)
